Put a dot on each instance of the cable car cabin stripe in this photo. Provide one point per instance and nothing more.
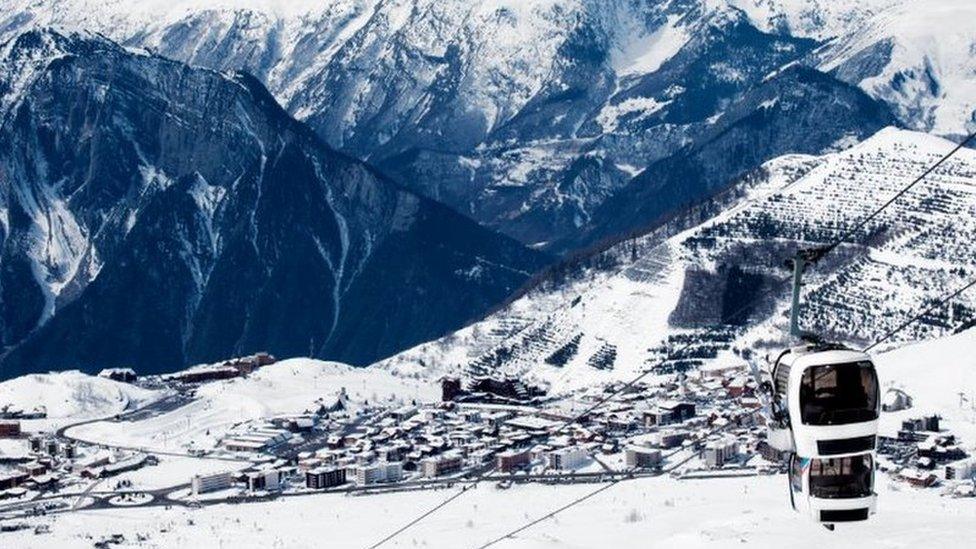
(843, 515)
(782, 380)
(846, 445)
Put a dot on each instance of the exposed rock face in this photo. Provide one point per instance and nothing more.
(156, 215)
(799, 110)
(529, 115)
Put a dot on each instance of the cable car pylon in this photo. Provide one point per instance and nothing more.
(822, 402)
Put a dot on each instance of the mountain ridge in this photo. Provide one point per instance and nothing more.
(381, 78)
(126, 172)
(647, 295)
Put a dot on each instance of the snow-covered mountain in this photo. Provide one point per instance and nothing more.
(154, 215)
(612, 315)
(527, 115)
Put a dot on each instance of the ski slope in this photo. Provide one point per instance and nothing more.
(922, 249)
(287, 387)
(71, 396)
(933, 373)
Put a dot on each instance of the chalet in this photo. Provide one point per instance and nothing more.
(918, 429)
(671, 438)
(941, 449)
(391, 453)
(12, 493)
(325, 478)
(124, 375)
(621, 422)
(366, 475)
(201, 484)
(718, 452)
(895, 400)
(403, 413)
(248, 364)
(12, 479)
(771, 454)
(488, 389)
(680, 411)
(920, 479)
(268, 480)
(668, 413)
(335, 441)
(531, 424)
(639, 457)
(34, 469)
(656, 416)
(9, 429)
(91, 461)
(567, 458)
(125, 465)
(739, 387)
(9, 412)
(42, 482)
(497, 418)
(299, 424)
(446, 464)
(239, 445)
(203, 373)
(511, 460)
(961, 470)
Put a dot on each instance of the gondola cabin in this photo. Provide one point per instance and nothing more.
(833, 490)
(831, 397)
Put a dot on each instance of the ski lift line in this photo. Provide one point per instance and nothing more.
(431, 511)
(553, 513)
(860, 224)
(942, 301)
(609, 485)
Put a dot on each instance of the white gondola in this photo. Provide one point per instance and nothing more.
(823, 406)
(833, 490)
(828, 400)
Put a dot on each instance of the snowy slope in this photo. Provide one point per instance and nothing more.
(934, 373)
(154, 215)
(917, 57)
(659, 288)
(286, 387)
(548, 102)
(72, 396)
(637, 514)
(821, 19)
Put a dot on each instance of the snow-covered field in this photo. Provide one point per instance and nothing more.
(71, 396)
(287, 387)
(660, 512)
(173, 470)
(934, 373)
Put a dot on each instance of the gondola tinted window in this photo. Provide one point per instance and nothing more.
(839, 394)
(847, 477)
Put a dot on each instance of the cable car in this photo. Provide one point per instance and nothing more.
(833, 490)
(828, 398)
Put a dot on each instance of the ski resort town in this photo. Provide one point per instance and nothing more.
(495, 431)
